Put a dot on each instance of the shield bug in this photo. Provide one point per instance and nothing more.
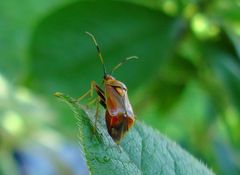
(119, 114)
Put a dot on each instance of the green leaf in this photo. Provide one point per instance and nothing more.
(16, 27)
(142, 151)
(67, 54)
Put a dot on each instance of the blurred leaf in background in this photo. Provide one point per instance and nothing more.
(30, 138)
(186, 82)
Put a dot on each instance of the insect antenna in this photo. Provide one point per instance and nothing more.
(99, 52)
(123, 62)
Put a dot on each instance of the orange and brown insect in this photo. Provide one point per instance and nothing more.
(119, 115)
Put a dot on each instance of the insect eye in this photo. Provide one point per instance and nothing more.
(120, 90)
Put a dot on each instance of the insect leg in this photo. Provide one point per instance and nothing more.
(84, 95)
(97, 113)
(89, 92)
(100, 93)
(91, 102)
(100, 101)
(97, 101)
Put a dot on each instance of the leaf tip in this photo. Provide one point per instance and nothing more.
(64, 97)
(58, 94)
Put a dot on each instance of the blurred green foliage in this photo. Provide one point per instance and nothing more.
(186, 82)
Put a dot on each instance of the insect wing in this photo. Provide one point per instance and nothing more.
(117, 101)
(128, 107)
(114, 101)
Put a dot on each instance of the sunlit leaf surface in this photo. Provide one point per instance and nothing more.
(142, 151)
